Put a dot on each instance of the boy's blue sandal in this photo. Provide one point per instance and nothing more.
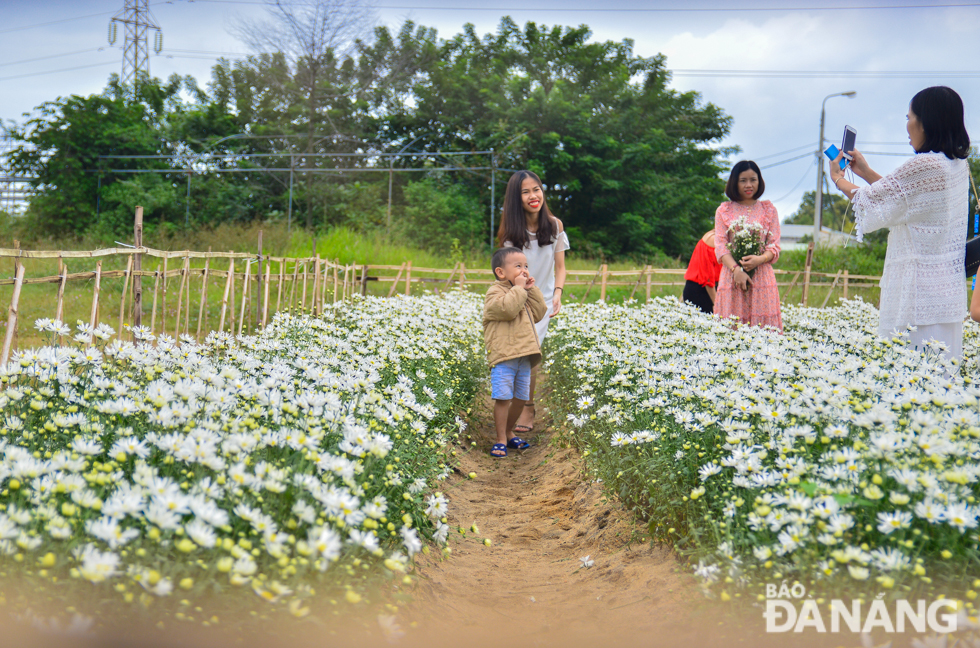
(499, 450)
(517, 443)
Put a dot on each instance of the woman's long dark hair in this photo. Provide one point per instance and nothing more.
(513, 223)
(940, 111)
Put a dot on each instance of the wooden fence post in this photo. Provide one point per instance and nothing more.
(602, 288)
(204, 293)
(806, 273)
(122, 301)
(649, 281)
(364, 275)
(60, 308)
(12, 314)
(282, 282)
(231, 305)
(224, 299)
(137, 271)
(336, 279)
(302, 301)
(94, 316)
(844, 287)
(589, 289)
(292, 289)
(831, 291)
(156, 292)
(163, 302)
(265, 300)
(408, 280)
(326, 281)
(259, 306)
(316, 285)
(394, 284)
(248, 274)
(462, 276)
(180, 297)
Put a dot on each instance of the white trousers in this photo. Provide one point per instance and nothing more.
(951, 334)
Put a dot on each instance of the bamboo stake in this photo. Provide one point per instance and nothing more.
(452, 274)
(602, 287)
(122, 301)
(292, 289)
(241, 321)
(204, 295)
(231, 306)
(316, 285)
(156, 292)
(224, 298)
(394, 284)
(806, 273)
(302, 301)
(649, 281)
(265, 301)
(60, 309)
(589, 289)
(12, 314)
(364, 271)
(639, 278)
(343, 294)
(844, 288)
(259, 306)
(323, 291)
(282, 281)
(336, 279)
(180, 297)
(94, 317)
(137, 267)
(408, 280)
(831, 291)
(462, 276)
(163, 302)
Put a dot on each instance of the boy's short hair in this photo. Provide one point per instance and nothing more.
(500, 258)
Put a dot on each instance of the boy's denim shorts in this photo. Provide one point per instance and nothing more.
(511, 379)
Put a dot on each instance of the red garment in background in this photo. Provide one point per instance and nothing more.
(704, 268)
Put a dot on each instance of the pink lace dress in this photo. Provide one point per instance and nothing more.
(759, 305)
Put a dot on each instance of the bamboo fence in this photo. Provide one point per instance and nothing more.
(257, 286)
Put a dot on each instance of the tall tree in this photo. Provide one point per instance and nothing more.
(628, 162)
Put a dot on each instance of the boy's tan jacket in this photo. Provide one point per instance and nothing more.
(509, 315)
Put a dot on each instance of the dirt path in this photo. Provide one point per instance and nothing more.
(530, 587)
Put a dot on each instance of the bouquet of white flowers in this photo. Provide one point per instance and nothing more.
(745, 238)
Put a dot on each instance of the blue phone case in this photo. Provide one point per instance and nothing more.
(832, 153)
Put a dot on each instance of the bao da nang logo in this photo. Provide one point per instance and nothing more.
(788, 609)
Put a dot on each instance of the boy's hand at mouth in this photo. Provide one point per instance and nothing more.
(521, 280)
(530, 283)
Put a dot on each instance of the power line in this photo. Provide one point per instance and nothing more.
(642, 9)
(798, 183)
(51, 56)
(52, 22)
(818, 74)
(793, 159)
(792, 150)
(79, 67)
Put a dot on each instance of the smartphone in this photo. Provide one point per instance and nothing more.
(850, 138)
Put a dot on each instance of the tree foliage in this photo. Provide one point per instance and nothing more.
(629, 165)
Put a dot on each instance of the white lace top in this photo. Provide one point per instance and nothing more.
(923, 203)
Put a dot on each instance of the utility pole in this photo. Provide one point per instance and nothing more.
(138, 21)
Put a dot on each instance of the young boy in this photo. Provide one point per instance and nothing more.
(513, 305)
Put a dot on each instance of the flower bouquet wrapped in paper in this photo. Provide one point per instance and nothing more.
(745, 238)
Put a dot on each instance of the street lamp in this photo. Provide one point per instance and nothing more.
(818, 198)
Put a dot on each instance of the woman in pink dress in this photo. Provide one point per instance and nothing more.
(754, 300)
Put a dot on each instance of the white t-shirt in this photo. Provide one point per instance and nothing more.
(541, 266)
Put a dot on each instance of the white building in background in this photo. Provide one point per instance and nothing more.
(792, 235)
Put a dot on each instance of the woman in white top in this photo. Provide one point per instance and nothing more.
(923, 204)
(527, 225)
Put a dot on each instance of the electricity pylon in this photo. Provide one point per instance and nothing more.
(136, 51)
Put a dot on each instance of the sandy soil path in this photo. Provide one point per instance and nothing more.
(530, 587)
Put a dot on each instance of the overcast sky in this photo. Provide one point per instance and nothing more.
(885, 50)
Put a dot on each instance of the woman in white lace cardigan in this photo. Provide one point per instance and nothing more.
(923, 204)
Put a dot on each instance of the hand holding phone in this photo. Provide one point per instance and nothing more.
(832, 153)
